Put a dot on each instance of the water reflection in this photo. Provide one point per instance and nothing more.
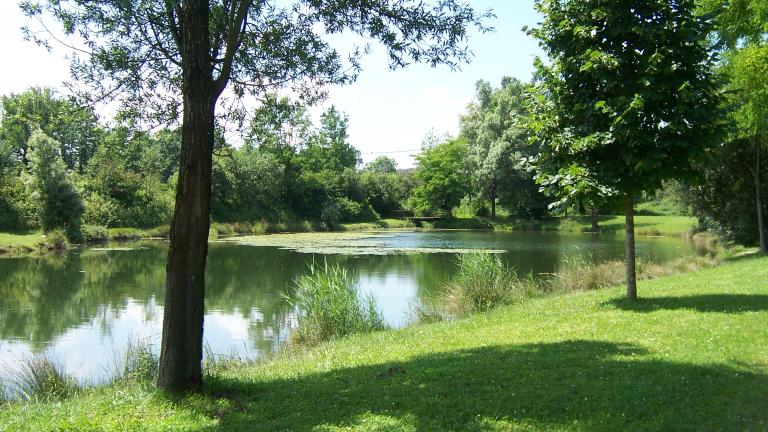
(83, 306)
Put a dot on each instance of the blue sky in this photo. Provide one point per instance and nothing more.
(389, 111)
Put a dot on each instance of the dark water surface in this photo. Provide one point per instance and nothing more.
(83, 306)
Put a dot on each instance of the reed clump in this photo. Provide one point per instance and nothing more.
(482, 283)
(579, 274)
(331, 306)
(38, 377)
(141, 363)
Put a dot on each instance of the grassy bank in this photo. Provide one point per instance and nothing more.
(19, 242)
(691, 354)
(644, 225)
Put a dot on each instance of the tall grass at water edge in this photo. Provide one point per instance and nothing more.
(331, 306)
(37, 377)
(483, 282)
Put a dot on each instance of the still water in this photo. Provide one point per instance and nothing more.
(83, 306)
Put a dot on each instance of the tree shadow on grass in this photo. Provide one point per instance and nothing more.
(582, 385)
(723, 303)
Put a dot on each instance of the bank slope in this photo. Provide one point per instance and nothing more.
(691, 354)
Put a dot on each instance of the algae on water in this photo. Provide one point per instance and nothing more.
(347, 243)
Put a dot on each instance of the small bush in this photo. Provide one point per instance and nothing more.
(332, 307)
(38, 377)
(56, 239)
(482, 283)
(95, 233)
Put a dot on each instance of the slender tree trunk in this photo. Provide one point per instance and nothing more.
(631, 280)
(493, 204)
(595, 227)
(181, 350)
(759, 193)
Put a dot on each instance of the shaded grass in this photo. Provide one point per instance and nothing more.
(692, 354)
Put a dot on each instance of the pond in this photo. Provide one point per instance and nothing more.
(83, 306)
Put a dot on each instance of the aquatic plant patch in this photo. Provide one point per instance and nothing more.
(346, 243)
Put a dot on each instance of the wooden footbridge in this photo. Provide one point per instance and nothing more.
(409, 215)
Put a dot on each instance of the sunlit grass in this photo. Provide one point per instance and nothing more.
(26, 240)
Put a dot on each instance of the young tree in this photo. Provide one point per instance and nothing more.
(57, 202)
(442, 182)
(160, 58)
(628, 101)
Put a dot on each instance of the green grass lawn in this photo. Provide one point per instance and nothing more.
(691, 354)
(26, 240)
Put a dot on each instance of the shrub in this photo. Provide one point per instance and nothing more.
(332, 307)
(95, 233)
(57, 201)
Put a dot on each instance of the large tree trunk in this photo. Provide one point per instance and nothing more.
(631, 280)
(595, 227)
(759, 192)
(181, 350)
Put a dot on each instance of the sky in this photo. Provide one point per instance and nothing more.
(390, 112)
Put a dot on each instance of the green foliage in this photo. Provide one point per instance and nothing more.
(247, 185)
(75, 127)
(95, 233)
(630, 128)
(16, 209)
(725, 201)
(382, 165)
(118, 197)
(497, 147)
(386, 191)
(57, 201)
(332, 307)
(442, 179)
(326, 149)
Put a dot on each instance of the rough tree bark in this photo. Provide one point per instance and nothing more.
(630, 225)
(759, 193)
(181, 350)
